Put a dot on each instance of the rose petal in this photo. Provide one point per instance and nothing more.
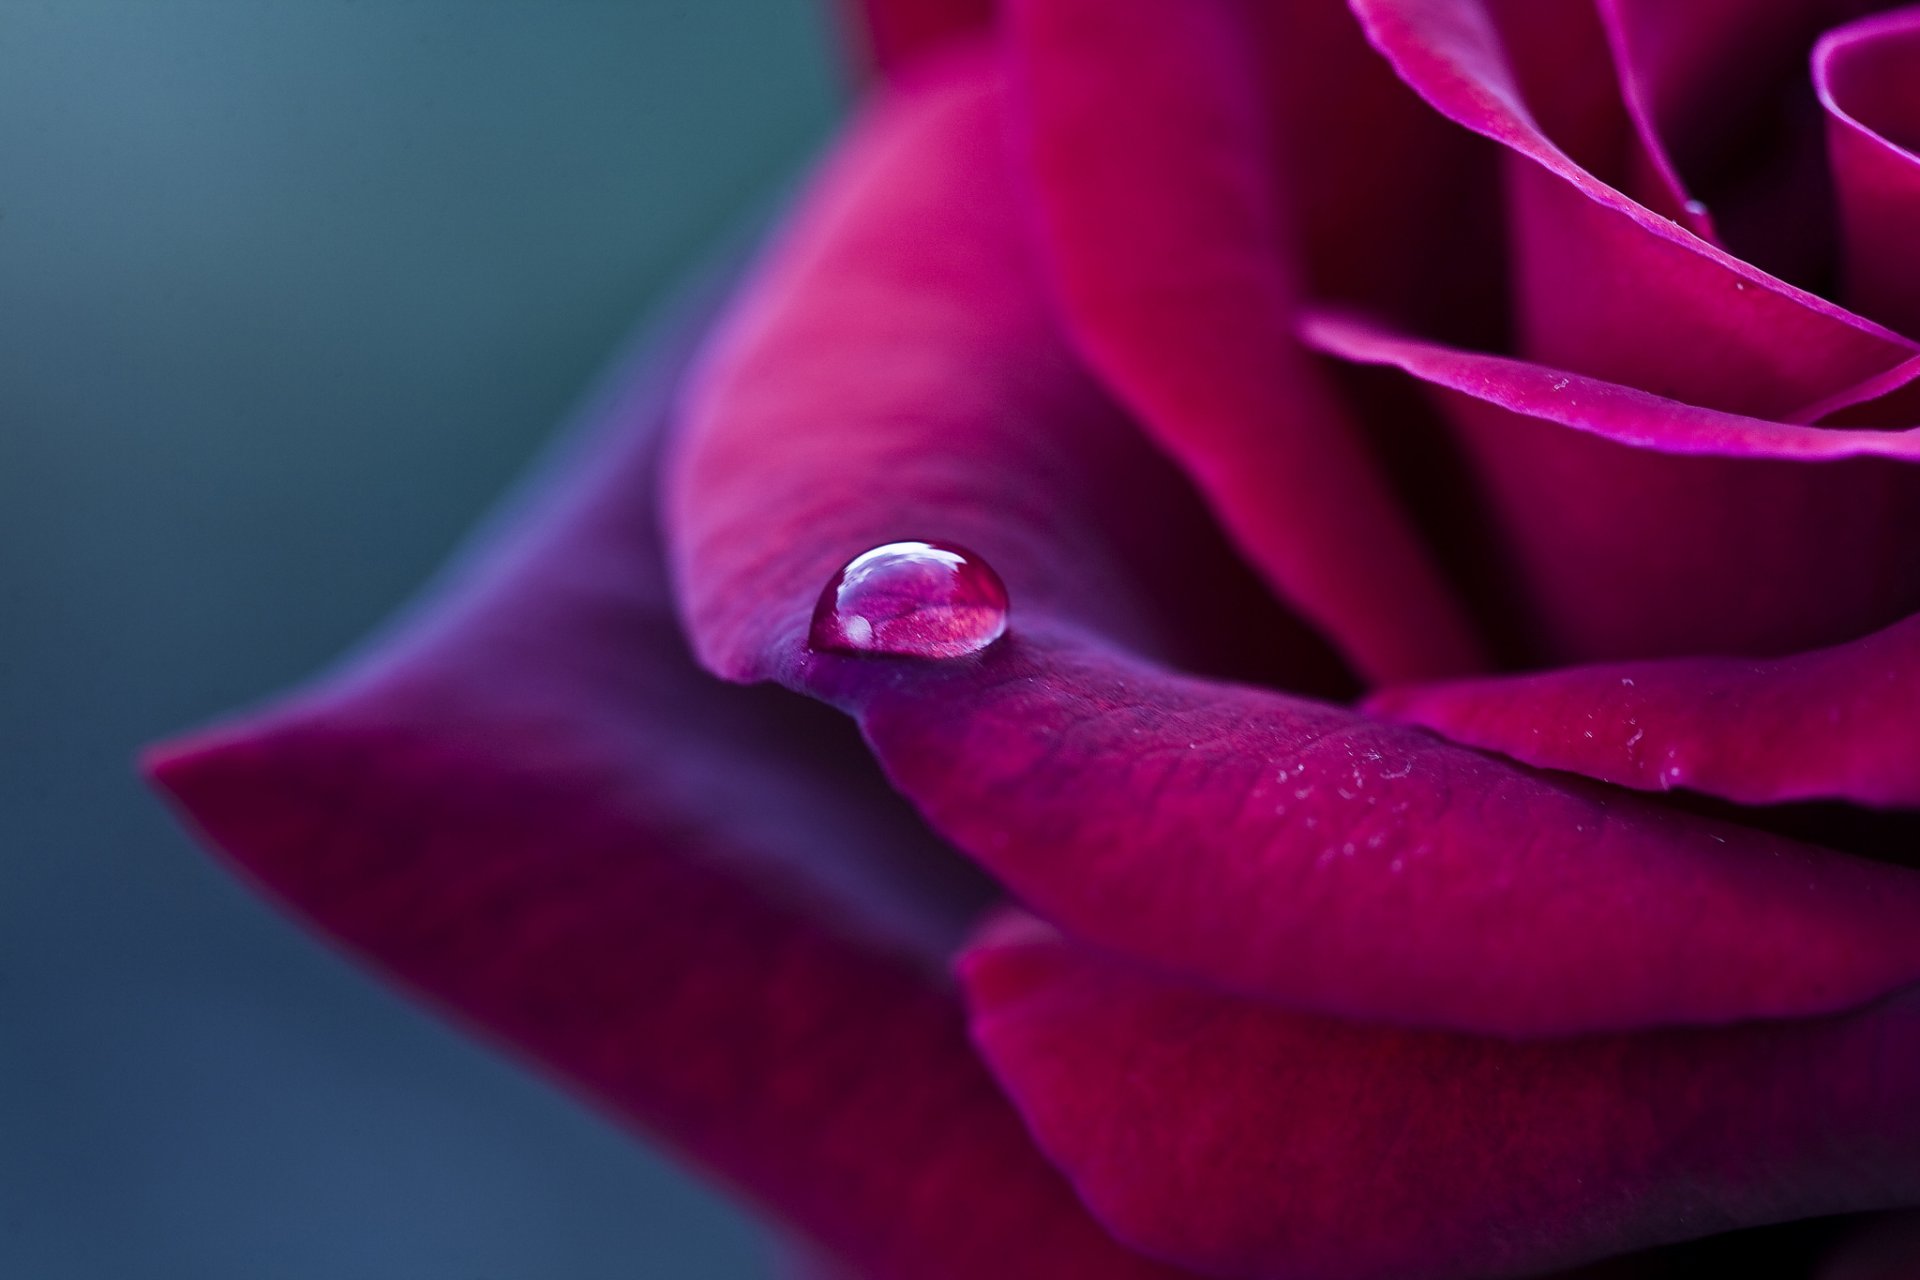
(1382, 203)
(1837, 723)
(1725, 95)
(1142, 125)
(694, 904)
(889, 377)
(1309, 856)
(1624, 414)
(895, 373)
(1620, 554)
(1655, 527)
(1243, 1140)
(1654, 178)
(1607, 287)
(894, 34)
(1863, 73)
(1569, 60)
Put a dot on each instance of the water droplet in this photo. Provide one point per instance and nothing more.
(913, 600)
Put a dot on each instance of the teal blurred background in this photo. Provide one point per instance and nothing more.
(289, 292)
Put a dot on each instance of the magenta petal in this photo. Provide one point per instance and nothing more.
(896, 34)
(1637, 526)
(1142, 124)
(894, 373)
(892, 376)
(1655, 180)
(1838, 723)
(1864, 73)
(1306, 855)
(1607, 287)
(1242, 1140)
(696, 905)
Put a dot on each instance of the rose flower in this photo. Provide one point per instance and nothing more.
(1359, 561)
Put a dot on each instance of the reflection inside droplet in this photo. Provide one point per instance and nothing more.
(911, 599)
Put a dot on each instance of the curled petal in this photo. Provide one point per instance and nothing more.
(1633, 525)
(1143, 127)
(1277, 845)
(1319, 859)
(1607, 287)
(695, 905)
(1242, 1140)
(1833, 724)
(895, 373)
(1864, 76)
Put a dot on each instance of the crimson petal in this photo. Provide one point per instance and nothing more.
(694, 904)
(1638, 526)
(895, 34)
(1242, 1140)
(892, 375)
(1142, 124)
(1834, 724)
(1608, 287)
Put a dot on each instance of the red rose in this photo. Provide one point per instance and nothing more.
(1459, 724)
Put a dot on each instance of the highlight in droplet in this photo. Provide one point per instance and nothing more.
(911, 600)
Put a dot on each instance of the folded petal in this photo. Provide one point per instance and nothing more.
(1316, 858)
(1607, 287)
(1569, 59)
(1864, 76)
(1833, 724)
(894, 34)
(1629, 525)
(695, 905)
(890, 376)
(1143, 128)
(1242, 1140)
(1724, 93)
(895, 373)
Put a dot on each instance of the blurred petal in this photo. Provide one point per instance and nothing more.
(1142, 124)
(1864, 74)
(894, 34)
(1241, 1140)
(694, 904)
(1631, 525)
(1834, 724)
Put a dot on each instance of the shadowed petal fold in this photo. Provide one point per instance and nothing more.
(1142, 126)
(1631, 525)
(1242, 1140)
(1864, 74)
(1606, 286)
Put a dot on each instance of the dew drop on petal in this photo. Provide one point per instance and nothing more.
(912, 600)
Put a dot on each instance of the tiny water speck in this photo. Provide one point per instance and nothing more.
(911, 600)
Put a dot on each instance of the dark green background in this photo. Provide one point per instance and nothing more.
(289, 291)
